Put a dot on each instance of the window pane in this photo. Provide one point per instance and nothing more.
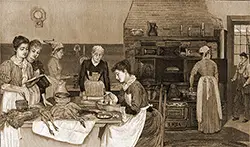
(236, 39)
(243, 48)
(236, 59)
(248, 39)
(236, 49)
(243, 40)
(243, 29)
(248, 29)
(237, 29)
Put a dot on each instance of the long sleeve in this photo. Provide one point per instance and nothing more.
(248, 74)
(193, 72)
(216, 73)
(54, 70)
(82, 75)
(5, 70)
(40, 67)
(137, 99)
(106, 77)
(235, 75)
(121, 99)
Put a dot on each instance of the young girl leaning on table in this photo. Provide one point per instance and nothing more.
(141, 124)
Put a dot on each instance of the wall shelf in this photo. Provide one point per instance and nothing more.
(168, 38)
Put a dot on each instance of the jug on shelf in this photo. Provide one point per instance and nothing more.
(152, 29)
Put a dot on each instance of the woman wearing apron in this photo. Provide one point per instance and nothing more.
(208, 109)
(94, 65)
(55, 68)
(141, 124)
(34, 52)
(14, 73)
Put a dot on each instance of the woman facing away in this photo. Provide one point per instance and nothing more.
(38, 68)
(209, 113)
(55, 68)
(141, 124)
(95, 64)
(14, 73)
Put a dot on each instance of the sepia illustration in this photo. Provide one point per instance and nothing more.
(124, 73)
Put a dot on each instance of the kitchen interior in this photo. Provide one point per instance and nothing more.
(161, 40)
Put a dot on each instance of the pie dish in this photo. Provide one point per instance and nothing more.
(104, 115)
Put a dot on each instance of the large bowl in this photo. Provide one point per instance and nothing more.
(21, 105)
(101, 104)
(60, 100)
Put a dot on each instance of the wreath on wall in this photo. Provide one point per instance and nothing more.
(38, 15)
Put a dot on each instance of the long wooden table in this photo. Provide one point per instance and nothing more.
(30, 139)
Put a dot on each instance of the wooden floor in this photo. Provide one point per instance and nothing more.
(232, 131)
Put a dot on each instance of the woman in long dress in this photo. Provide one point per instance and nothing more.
(95, 64)
(141, 124)
(209, 113)
(55, 68)
(38, 68)
(14, 73)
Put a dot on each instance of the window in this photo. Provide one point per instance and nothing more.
(241, 40)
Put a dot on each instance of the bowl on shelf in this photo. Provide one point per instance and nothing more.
(192, 95)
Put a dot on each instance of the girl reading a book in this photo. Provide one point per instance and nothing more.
(34, 52)
(15, 72)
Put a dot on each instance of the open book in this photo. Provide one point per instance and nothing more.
(41, 81)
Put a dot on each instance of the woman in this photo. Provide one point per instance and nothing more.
(34, 51)
(241, 77)
(209, 113)
(14, 73)
(139, 127)
(95, 64)
(55, 68)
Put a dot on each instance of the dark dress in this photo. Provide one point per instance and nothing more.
(151, 135)
(208, 107)
(101, 68)
(39, 65)
(43, 82)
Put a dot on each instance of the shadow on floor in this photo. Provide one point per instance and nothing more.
(226, 134)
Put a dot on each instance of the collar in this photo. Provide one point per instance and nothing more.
(54, 56)
(21, 64)
(130, 81)
(95, 64)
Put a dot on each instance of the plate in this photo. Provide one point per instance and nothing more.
(104, 115)
(102, 102)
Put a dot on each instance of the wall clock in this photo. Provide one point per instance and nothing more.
(38, 15)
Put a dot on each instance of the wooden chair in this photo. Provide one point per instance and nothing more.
(162, 109)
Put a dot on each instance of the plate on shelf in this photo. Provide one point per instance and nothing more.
(104, 115)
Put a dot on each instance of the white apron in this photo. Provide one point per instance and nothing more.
(34, 95)
(50, 91)
(200, 93)
(10, 136)
(126, 134)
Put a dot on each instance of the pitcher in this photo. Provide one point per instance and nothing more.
(152, 29)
